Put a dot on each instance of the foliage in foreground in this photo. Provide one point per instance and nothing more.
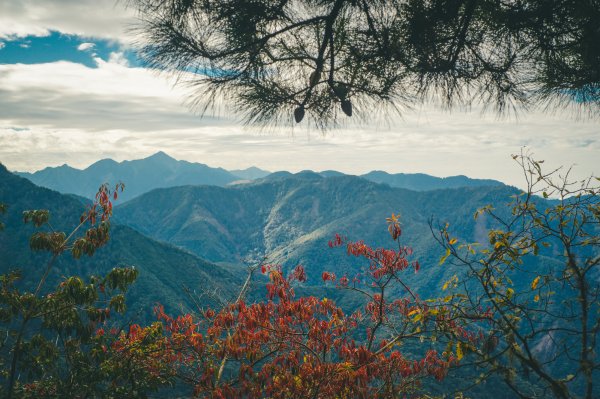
(62, 345)
(51, 347)
(543, 323)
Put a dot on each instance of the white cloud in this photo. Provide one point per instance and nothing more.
(89, 18)
(78, 115)
(118, 58)
(85, 46)
(68, 95)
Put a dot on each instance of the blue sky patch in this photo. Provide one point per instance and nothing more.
(60, 47)
(587, 94)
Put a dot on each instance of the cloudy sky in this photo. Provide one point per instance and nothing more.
(72, 91)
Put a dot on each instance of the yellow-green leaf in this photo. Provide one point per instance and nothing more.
(443, 258)
(535, 282)
(459, 351)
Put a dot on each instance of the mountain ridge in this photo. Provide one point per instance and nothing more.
(139, 176)
(161, 170)
(425, 182)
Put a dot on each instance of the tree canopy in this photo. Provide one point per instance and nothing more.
(274, 59)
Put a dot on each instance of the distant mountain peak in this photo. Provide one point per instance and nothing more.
(282, 174)
(140, 175)
(161, 155)
(331, 173)
(253, 168)
(308, 174)
(251, 173)
(424, 182)
(103, 163)
(3, 169)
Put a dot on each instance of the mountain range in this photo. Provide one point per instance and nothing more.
(166, 271)
(287, 217)
(423, 182)
(162, 171)
(198, 236)
(139, 176)
(291, 217)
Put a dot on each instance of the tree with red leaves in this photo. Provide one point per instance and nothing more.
(306, 347)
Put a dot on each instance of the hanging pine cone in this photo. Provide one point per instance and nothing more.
(347, 107)
(299, 114)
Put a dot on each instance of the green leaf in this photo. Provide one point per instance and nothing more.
(509, 293)
(118, 303)
(37, 217)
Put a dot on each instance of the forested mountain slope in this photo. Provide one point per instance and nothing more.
(164, 269)
(291, 218)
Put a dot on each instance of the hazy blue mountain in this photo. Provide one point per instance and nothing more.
(423, 182)
(139, 176)
(162, 171)
(331, 173)
(251, 173)
(411, 181)
(164, 269)
(282, 174)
